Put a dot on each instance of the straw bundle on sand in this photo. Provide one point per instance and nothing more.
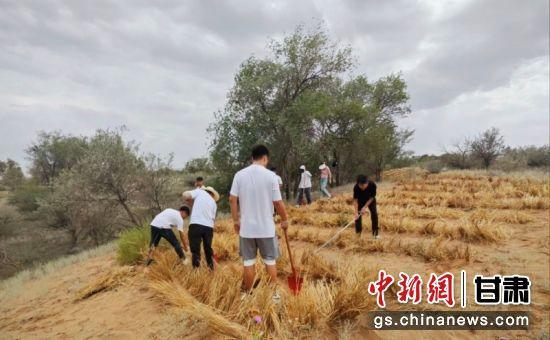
(178, 296)
(318, 268)
(108, 281)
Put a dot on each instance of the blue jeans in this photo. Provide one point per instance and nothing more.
(323, 183)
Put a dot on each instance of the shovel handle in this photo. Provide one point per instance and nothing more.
(290, 254)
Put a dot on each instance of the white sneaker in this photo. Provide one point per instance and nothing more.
(276, 297)
(376, 237)
(186, 262)
(244, 295)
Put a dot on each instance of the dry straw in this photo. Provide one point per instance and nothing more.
(178, 296)
(107, 281)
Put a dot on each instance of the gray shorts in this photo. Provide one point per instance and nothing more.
(269, 248)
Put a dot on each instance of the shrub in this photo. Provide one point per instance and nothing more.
(8, 219)
(27, 198)
(131, 244)
(434, 167)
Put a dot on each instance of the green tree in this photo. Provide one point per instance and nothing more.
(52, 153)
(266, 104)
(360, 127)
(157, 181)
(200, 164)
(488, 146)
(11, 175)
(111, 169)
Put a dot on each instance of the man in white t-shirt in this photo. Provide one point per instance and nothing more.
(254, 193)
(201, 224)
(161, 227)
(304, 187)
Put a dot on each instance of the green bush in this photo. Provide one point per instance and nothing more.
(9, 217)
(26, 198)
(434, 167)
(131, 244)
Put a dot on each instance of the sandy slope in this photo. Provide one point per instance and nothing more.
(46, 308)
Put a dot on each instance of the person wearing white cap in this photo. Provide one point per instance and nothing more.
(304, 188)
(201, 223)
(325, 178)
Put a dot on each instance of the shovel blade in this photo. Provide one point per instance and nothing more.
(295, 283)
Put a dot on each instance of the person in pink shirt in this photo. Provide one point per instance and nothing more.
(325, 179)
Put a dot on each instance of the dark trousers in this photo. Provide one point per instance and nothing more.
(197, 234)
(168, 235)
(301, 192)
(373, 219)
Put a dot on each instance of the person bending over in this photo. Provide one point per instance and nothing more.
(364, 197)
(161, 227)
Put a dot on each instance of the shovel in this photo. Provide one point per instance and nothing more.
(294, 281)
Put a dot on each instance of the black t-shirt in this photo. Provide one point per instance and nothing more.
(362, 196)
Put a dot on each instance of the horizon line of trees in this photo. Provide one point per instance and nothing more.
(93, 187)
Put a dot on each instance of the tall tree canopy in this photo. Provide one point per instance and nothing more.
(296, 102)
(52, 153)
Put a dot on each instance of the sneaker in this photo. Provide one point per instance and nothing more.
(276, 297)
(376, 237)
(186, 262)
(244, 294)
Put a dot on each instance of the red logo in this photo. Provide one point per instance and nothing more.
(440, 288)
(380, 286)
(410, 288)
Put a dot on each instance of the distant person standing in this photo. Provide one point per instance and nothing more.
(201, 223)
(304, 188)
(199, 182)
(364, 197)
(161, 227)
(325, 179)
(254, 193)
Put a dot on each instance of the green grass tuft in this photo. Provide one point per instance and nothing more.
(131, 245)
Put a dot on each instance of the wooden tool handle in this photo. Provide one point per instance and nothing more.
(290, 254)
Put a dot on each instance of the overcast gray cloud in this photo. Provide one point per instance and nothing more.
(163, 68)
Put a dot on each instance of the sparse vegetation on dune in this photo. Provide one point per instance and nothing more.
(106, 281)
(335, 291)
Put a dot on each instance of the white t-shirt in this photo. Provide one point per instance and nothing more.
(257, 189)
(305, 180)
(167, 219)
(204, 208)
(279, 179)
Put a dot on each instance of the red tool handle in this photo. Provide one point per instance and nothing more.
(290, 254)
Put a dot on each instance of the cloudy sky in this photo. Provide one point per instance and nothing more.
(162, 70)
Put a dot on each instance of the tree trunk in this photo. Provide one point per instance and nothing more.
(378, 170)
(337, 168)
(131, 215)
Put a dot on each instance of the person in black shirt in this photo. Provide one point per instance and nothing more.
(364, 196)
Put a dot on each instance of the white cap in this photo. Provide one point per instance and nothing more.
(213, 192)
(322, 166)
(303, 167)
